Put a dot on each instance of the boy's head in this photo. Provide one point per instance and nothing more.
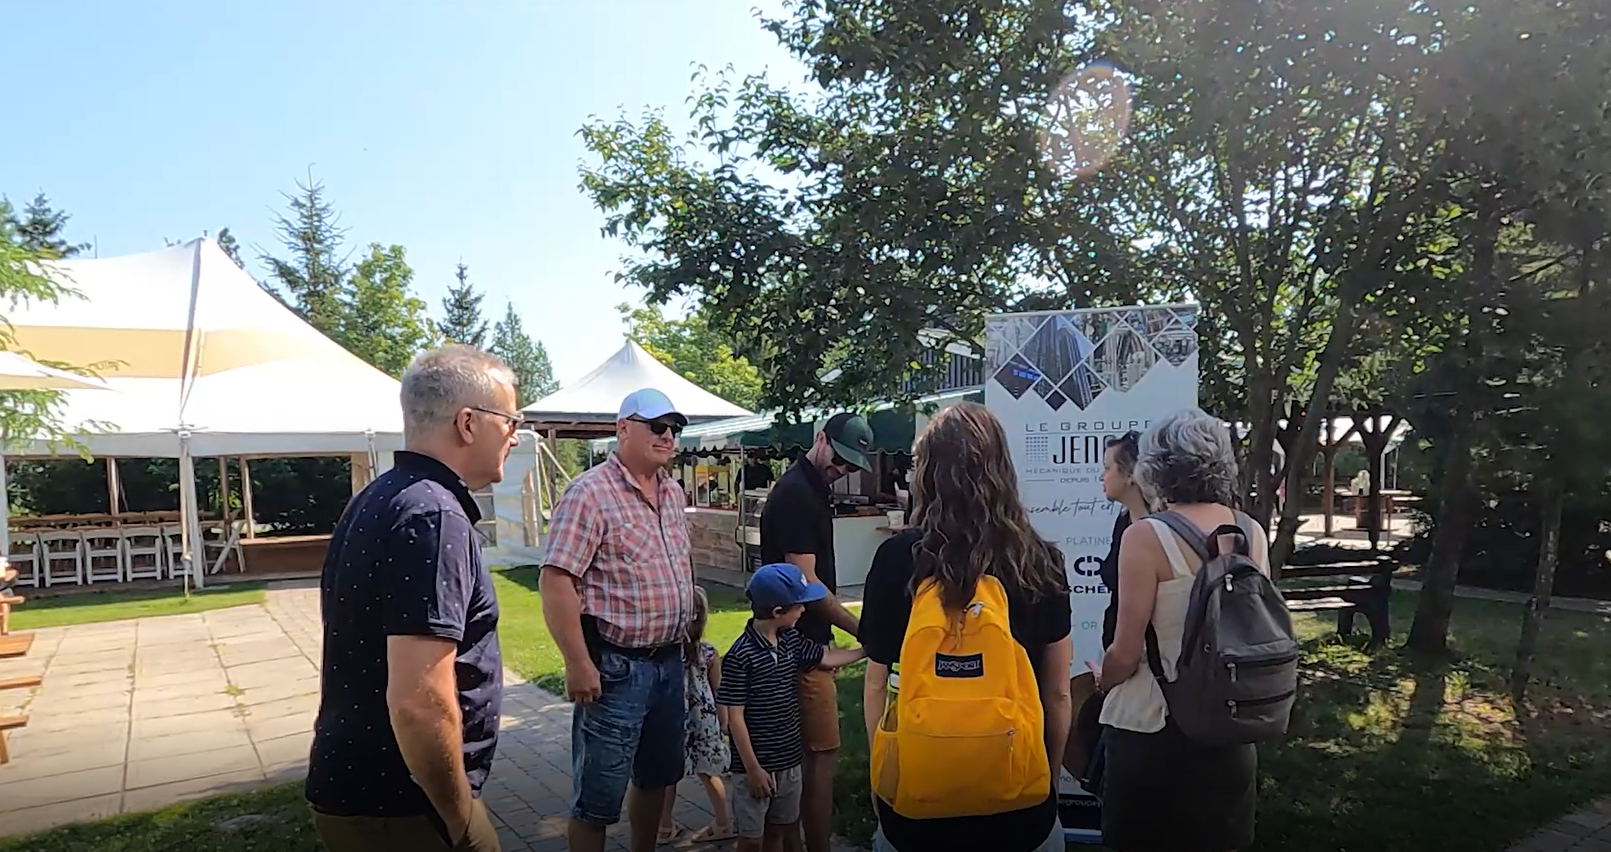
(779, 592)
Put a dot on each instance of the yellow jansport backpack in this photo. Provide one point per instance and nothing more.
(965, 734)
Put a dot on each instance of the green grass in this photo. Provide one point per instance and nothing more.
(1386, 753)
(282, 824)
(95, 607)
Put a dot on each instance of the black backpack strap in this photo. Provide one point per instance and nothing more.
(1187, 531)
(1154, 658)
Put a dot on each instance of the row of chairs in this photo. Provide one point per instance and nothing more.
(47, 558)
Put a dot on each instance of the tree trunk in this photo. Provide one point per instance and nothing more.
(1543, 586)
(1458, 500)
(1303, 450)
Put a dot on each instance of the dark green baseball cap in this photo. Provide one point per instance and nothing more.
(850, 437)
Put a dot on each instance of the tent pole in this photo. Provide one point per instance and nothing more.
(190, 514)
(114, 485)
(246, 499)
(5, 513)
(223, 496)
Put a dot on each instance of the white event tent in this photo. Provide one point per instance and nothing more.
(199, 361)
(587, 407)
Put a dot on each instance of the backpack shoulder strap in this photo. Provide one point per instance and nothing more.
(1187, 530)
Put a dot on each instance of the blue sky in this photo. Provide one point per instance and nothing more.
(447, 127)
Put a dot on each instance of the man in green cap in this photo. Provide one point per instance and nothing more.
(797, 527)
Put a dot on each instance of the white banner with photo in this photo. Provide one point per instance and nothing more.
(1063, 383)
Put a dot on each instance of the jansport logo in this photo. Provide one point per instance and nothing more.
(947, 665)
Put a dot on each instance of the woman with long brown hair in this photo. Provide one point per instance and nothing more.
(968, 522)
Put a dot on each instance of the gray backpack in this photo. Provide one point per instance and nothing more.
(1238, 668)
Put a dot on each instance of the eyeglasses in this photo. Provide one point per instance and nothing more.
(840, 461)
(512, 419)
(659, 427)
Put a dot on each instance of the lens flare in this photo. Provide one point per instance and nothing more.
(1086, 120)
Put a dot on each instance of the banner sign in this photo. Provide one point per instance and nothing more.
(1062, 384)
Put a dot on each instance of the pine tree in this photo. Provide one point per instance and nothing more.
(461, 313)
(312, 278)
(231, 246)
(534, 374)
(40, 228)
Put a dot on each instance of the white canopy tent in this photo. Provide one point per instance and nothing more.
(587, 407)
(200, 360)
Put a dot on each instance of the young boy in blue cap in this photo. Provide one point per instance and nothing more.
(760, 686)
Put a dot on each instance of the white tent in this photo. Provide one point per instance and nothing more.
(200, 361)
(187, 341)
(587, 407)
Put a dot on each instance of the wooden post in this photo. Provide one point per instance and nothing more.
(114, 485)
(224, 509)
(1328, 496)
(246, 499)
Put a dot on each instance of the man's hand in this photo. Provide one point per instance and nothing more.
(762, 784)
(582, 682)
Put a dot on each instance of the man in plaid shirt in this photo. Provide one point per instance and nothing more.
(618, 593)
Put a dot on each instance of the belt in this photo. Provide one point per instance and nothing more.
(650, 653)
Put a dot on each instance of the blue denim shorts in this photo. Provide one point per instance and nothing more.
(633, 732)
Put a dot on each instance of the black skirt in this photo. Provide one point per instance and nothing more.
(1163, 793)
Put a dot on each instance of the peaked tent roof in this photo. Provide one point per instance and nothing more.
(187, 340)
(587, 407)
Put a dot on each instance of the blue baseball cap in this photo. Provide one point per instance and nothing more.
(649, 404)
(782, 584)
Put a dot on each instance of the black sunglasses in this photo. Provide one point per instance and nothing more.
(840, 461)
(659, 427)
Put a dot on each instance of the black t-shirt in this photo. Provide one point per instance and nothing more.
(1110, 578)
(404, 560)
(885, 610)
(763, 681)
(798, 518)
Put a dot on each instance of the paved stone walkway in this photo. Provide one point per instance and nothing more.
(1587, 830)
(136, 715)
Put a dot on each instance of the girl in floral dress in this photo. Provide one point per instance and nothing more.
(706, 746)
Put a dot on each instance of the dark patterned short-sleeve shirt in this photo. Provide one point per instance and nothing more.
(405, 560)
(763, 681)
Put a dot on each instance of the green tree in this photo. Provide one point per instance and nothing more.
(230, 246)
(534, 374)
(40, 230)
(382, 321)
(697, 351)
(312, 277)
(26, 415)
(461, 312)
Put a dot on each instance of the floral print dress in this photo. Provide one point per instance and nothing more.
(706, 750)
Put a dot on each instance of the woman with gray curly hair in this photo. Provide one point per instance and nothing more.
(1163, 792)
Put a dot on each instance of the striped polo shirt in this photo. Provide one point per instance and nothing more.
(764, 680)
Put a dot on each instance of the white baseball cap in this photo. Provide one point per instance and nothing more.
(649, 404)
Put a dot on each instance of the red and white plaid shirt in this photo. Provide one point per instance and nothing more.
(632, 559)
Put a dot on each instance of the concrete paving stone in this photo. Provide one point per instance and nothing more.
(76, 721)
(181, 705)
(1591, 819)
(71, 667)
(146, 694)
(285, 749)
(270, 672)
(46, 740)
(262, 652)
(112, 647)
(61, 787)
(308, 704)
(202, 721)
(52, 699)
(187, 742)
(1547, 840)
(162, 795)
(167, 770)
(1592, 844)
(45, 817)
(158, 680)
(283, 691)
(264, 729)
(46, 756)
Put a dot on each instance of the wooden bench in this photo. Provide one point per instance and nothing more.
(7, 723)
(16, 645)
(6, 603)
(1364, 586)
